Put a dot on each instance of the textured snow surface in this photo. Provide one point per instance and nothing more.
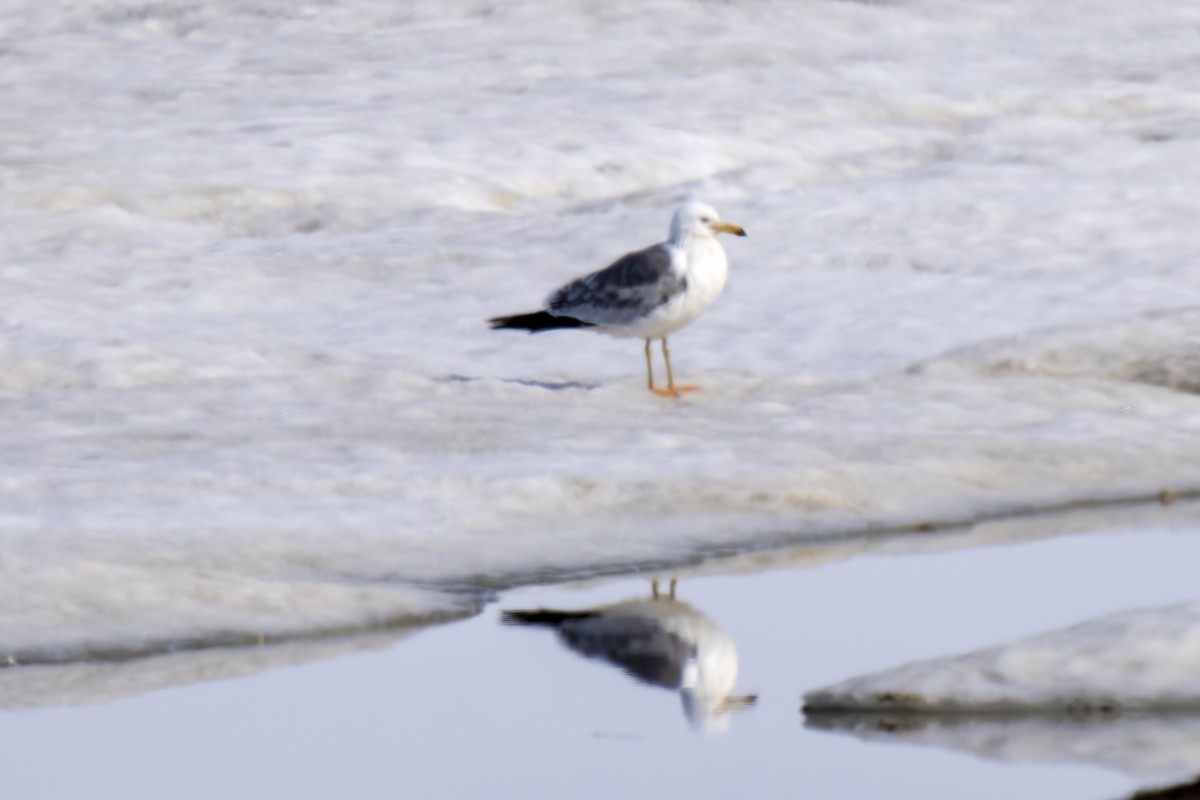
(1144, 660)
(97, 681)
(245, 383)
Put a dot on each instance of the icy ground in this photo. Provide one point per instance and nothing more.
(1119, 691)
(1143, 660)
(245, 385)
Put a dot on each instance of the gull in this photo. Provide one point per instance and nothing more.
(660, 641)
(647, 294)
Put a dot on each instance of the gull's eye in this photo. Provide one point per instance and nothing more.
(706, 220)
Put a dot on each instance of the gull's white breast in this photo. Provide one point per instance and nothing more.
(703, 263)
(707, 269)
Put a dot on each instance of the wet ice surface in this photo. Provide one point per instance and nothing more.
(531, 718)
(1141, 660)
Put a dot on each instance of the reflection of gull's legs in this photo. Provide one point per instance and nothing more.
(654, 593)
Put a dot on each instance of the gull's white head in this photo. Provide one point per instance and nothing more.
(696, 219)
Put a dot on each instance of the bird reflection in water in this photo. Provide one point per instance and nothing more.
(660, 641)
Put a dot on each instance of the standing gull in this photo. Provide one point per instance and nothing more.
(647, 294)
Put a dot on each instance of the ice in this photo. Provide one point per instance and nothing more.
(106, 607)
(1161, 349)
(1142, 660)
(1118, 691)
(98, 680)
(245, 382)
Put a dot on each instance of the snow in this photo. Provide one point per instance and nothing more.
(98, 680)
(1119, 691)
(1142, 660)
(245, 380)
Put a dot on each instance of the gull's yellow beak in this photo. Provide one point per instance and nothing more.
(728, 227)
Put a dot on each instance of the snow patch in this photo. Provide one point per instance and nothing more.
(1144, 660)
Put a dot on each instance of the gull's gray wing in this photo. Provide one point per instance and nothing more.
(642, 647)
(622, 292)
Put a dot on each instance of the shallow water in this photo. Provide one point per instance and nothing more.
(480, 709)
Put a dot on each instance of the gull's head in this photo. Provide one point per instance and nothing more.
(696, 219)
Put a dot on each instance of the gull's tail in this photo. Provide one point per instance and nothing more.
(537, 321)
(543, 617)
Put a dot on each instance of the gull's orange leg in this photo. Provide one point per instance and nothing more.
(669, 391)
(671, 387)
(649, 368)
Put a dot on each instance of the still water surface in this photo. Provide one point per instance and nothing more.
(480, 709)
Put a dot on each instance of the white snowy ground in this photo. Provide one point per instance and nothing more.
(97, 681)
(1121, 691)
(245, 383)
(1143, 660)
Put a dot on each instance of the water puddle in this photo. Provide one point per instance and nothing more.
(583, 691)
